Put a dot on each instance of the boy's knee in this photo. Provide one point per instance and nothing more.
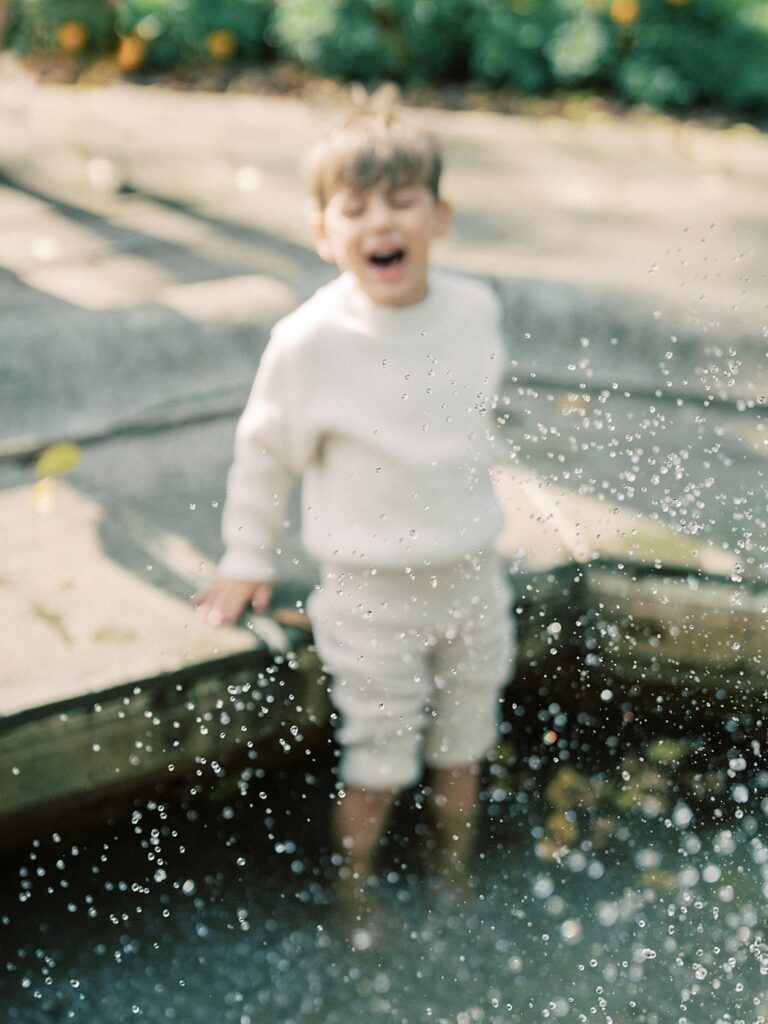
(381, 769)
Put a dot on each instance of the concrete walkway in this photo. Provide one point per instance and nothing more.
(149, 240)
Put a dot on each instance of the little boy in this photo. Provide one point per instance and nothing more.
(378, 392)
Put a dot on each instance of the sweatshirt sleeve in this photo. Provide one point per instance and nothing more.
(272, 448)
(496, 366)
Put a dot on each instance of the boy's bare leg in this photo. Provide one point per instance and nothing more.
(452, 802)
(359, 823)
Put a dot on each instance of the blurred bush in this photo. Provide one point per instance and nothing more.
(686, 52)
(667, 53)
(72, 26)
(437, 39)
(169, 32)
(359, 39)
(408, 40)
(144, 33)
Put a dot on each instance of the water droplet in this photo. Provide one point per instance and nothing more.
(361, 939)
(543, 886)
(571, 931)
(682, 815)
(607, 914)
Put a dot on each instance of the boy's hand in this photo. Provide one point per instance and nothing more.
(223, 601)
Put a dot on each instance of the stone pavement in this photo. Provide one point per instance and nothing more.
(149, 240)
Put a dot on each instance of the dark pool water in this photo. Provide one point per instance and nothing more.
(219, 911)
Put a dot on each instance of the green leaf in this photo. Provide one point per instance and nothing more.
(59, 459)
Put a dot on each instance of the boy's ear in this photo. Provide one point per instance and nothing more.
(444, 218)
(320, 236)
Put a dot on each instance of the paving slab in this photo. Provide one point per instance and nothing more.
(548, 526)
(680, 632)
(695, 468)
(100, 336)
(82, 624)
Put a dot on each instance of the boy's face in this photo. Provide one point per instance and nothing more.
(382, 235)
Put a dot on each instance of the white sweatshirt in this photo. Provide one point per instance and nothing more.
(385, 413)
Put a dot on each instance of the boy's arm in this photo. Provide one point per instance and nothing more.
(272, 447)
(496, 367)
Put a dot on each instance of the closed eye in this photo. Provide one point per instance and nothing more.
(402, 198)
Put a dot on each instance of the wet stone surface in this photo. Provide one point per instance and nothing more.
(691, 466)
(622, 879)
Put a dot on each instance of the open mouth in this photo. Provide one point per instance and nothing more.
(391, 258)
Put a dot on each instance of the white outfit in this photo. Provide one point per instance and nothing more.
(419, 661)
(385, 413)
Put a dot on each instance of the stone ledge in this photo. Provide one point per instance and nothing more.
(81, 623)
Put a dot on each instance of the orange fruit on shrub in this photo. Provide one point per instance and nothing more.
(624, 12)
(130, 53)
(72, 36)
(221, 43)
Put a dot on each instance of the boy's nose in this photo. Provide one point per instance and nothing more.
(379, 213)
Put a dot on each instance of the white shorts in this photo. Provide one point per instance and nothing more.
(419, 660)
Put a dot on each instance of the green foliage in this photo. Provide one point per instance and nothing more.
(660, 52)
(58, 459)
(706, 51)
(35, 25)
(667, 53)
(509, 41)
(181, 30)
(358, 39)
(370, 40)
(437, 39)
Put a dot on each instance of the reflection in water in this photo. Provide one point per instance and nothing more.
(589, 907)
